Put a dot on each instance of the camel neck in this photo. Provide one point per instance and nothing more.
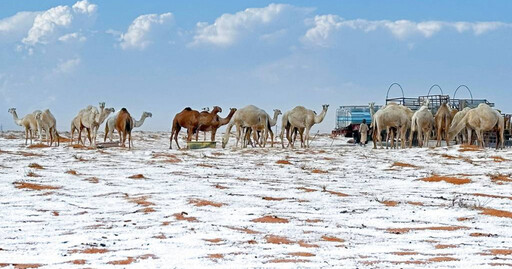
(15, 117)
(138, 123)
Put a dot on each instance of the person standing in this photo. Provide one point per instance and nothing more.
(363, 132)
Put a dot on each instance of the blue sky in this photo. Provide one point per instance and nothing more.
(161, 56)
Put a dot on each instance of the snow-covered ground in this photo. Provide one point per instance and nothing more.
(330, 205)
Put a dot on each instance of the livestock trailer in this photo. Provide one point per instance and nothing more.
(348, 119)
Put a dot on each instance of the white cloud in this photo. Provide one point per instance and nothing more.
(66, 66)
(46, 23)
(15, 27)
(143, 29)
(72, 37)
(229, 28)
(324, 26)
(51, 23)
(85, 7)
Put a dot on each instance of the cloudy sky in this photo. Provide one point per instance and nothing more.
(161, 56)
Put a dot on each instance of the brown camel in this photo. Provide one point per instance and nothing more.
(443, 120)
(187, 118)
(218, 122)
(124, 126)
(207, 119)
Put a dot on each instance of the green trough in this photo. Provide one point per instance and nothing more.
(201, 145)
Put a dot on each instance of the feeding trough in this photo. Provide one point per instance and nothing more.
(201, 144)
(107, 145)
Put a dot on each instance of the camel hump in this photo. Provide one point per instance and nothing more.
(188, 108)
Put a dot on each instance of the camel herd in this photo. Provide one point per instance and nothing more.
(448, 124)
(249, 120)
(254, 125)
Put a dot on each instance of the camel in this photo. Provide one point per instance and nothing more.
(271, 123)
(207, 119)
(28, 122)
(124, 126)
(249, 116)
(111, 122)
(187, 118)
(90, 119)
(422, 122)
(47, 121)
(443, 120)
(218, 122)
(462, 137)
(300, 117)
(481, 119)
(392, 115)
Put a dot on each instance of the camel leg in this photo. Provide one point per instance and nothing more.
(470, 136)
(306, 137)
(214, 131)
(255, 136)
(439, 132)
(404, 134)
(419, 138)
(178, 128)
(271, 139)
(480, 138)
(129, 140)
(238, 133)
(26, 135)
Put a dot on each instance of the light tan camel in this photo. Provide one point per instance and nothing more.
(124, 126)
(90, 118)
(28, 122)
(390, 116)
(47, 122)
(443, 120)
(422, 123)
(249, 116)
(271, 123)
(481, 119)
(300, 117)
(460, 138)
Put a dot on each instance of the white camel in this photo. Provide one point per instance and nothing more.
(47, 122)
(302, 118)
(90, 118)
(249, 116)
(481, 119)
(390, 116)
(423, 123)
(456, 119)
(28, 122)
(271, 123)
(110, 126)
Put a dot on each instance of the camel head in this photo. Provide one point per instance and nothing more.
(207, 109)
(232, 110)
(325, 107)
(112, 110)
(12, 110)
(216, 109)
(147, 114)
(102, 105)
(426, 102)
(277, 111)
(38, 115)
(371, 105)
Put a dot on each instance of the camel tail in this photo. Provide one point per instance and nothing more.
(414, 124)
(129, 125)
(455, 130)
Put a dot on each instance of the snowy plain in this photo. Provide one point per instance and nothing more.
(332, 205)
